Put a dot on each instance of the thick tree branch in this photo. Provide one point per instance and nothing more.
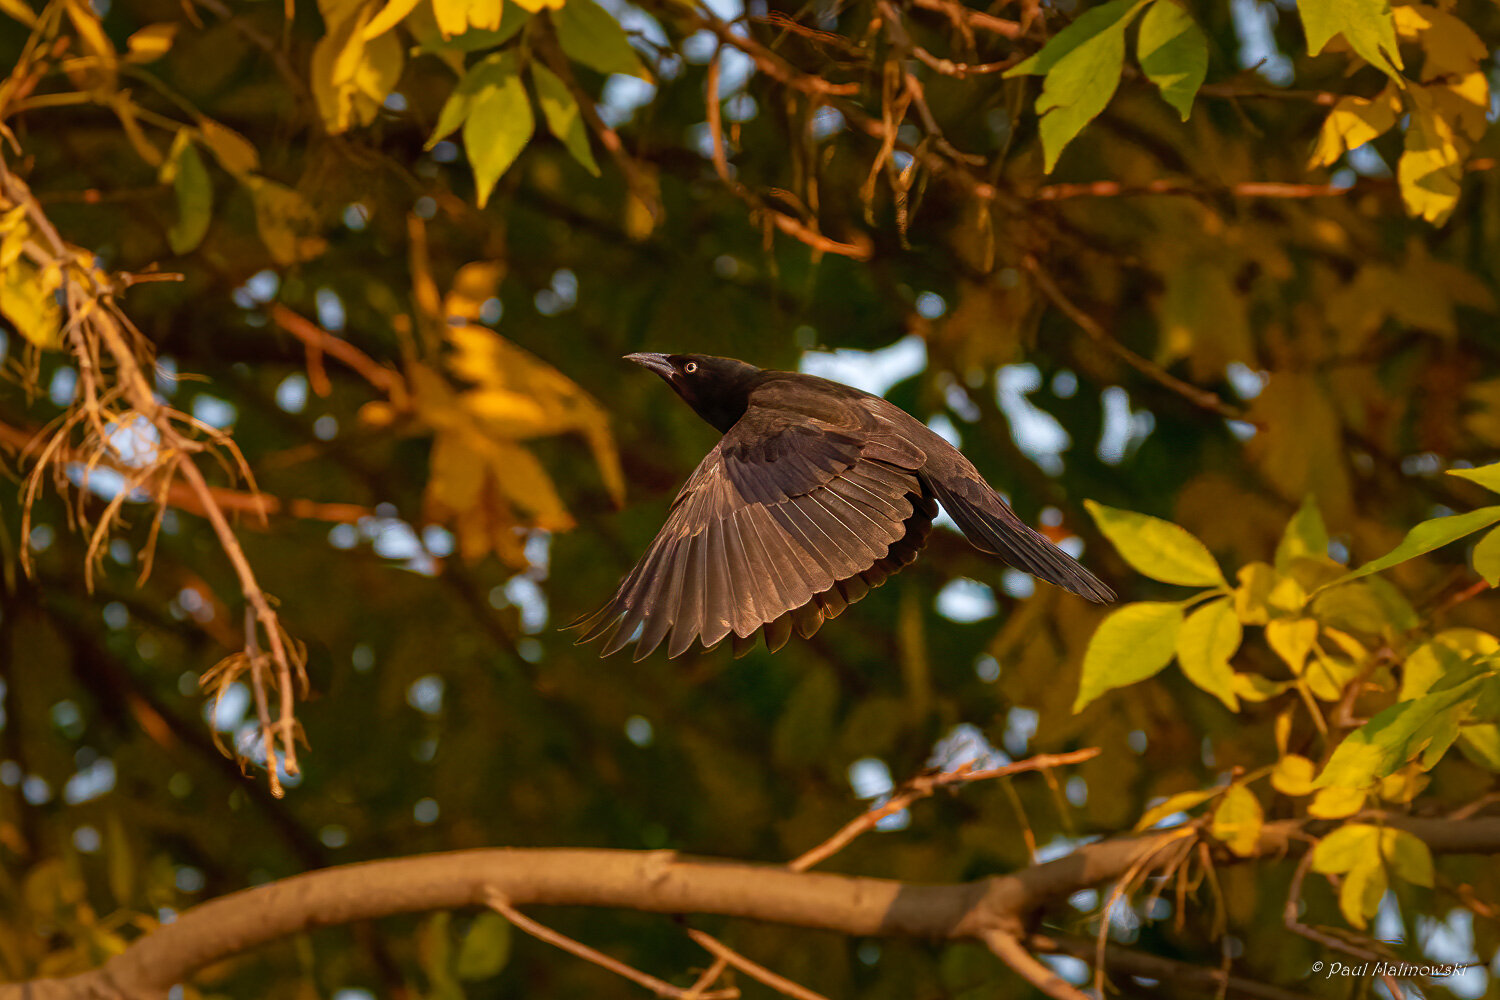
(653, 882)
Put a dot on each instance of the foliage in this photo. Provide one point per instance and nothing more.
(326, 302)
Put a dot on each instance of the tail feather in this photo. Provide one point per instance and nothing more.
(993, 527)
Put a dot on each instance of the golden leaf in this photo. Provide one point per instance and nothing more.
(151, 42)
(472, 286)
(286, 220)
(27, 299)
(1430, 171)
(1353, 122)
(235, 153)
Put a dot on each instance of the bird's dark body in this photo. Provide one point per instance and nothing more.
(816, 493)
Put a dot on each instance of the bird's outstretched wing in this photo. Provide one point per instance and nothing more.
(787, 521)
(993, 527)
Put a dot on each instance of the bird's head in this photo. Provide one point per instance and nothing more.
(718, 389)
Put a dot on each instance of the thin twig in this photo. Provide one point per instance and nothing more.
(711, 975)
(1192, 393)
(316, 338)
(923, 786)
(1008, 948)
(754, 970)
(495, 901)
(978, 20)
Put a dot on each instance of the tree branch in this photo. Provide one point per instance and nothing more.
(652, 882)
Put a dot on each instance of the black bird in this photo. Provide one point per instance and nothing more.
(816, 493)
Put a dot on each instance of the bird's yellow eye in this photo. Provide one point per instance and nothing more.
(690, 367)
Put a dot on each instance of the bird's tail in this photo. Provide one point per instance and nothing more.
(994, 528)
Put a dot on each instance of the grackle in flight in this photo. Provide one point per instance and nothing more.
(816, 493)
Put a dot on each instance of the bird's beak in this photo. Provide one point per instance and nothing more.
(656, 362)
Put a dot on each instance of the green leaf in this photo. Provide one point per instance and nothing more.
(1131, 644)
(1481, 744)
(562, 115)
(1173, 53)
(1367, 25)
(1156, 548)
(498, 125)
(1209, 637)
(1305, 535)
(1082, 64)
(1423, 538)
(1487, 476)
(460, 103)
(589, 34)
(184, 170)
(1407, 856)
(1446, 654)
(1393, 737)
(1486, 558)
(485, 948)
(1084, 27)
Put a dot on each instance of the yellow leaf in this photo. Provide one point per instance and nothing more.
(286, 221)
(1251, 596)
(1237, 821)
(91, 32)
(1326, 677)
(1292, 639)
(526, 484)
(1336, 803)
(1293, 775)
(13, 233)
(151, 42)
(1448, 651)
(235, 153)
(472, 286)
(1404, 785)
(1159, 549)
(1181, 802)
(1133, 643)
(1361, 892)
(27, 299)
(455, 16)
(511, 414)
(1407, 856)
(352, 77)
(1253, 687)
(1430, 171)
(390, 15)
(1449, 45)
(1346, 848)
(1209, 637)
(1288, 596)
(1464, 102)
(1353, 122)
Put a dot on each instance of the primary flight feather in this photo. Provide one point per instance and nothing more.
(816, 492)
